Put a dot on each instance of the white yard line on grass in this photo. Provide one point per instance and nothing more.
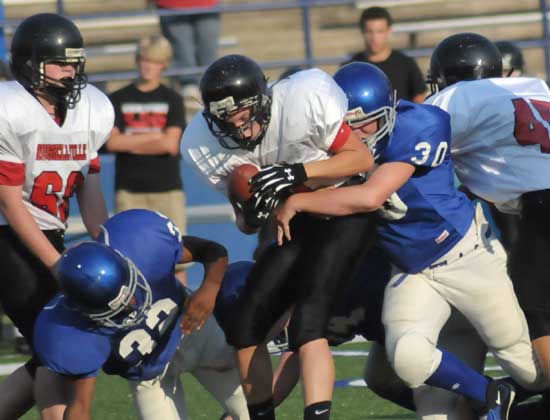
(9, 368)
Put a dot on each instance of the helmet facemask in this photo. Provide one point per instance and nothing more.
(435, 84)
(218, 112)
(64, 91)
(385, 116)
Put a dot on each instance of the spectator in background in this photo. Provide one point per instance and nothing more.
(194, 38)
(149, 121)
(404, 74)
(512, 59)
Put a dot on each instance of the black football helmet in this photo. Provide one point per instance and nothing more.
(48, 38)
(512, 58)
(464, 56)
(232, 83)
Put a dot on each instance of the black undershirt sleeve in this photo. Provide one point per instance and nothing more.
(203, 250)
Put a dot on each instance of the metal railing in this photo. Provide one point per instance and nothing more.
(306, 6)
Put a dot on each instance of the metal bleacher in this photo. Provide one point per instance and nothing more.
(281, 33)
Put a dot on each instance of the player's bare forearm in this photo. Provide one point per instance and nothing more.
(332, 201)
(200, 305)
(92, 204)
(351, 159)
(24, 225)
(364, 198)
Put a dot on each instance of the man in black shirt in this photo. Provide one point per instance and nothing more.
(405, 76)
(149, 121)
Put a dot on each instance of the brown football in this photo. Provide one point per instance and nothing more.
(237, 182)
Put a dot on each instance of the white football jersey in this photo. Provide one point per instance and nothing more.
(307, 115)
(500, 136)
(49, 160)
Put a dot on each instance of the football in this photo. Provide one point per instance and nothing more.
(237, 184)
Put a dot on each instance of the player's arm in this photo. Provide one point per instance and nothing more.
(349, 156)
(364, 198)
(200, 305)
(80, 407)
(24, 225)
(352, 158)
(92, 204)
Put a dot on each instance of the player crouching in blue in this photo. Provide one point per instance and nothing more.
(123, 310)
(440, 247)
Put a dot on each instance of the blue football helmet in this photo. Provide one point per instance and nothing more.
(104, 285)
(370, 98)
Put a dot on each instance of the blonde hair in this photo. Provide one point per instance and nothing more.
(154, 48)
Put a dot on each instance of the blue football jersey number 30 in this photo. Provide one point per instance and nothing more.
(141, 339)
(425, 149)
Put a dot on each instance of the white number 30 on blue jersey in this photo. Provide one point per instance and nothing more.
(425, 148)
(141, 339)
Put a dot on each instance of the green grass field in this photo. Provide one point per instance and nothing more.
(113, 401)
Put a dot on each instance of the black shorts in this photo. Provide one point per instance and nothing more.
(306, 274)
(508, 224)
(26, 284)
(529, 262)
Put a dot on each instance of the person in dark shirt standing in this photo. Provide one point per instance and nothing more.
(149, 121)
(404, 74)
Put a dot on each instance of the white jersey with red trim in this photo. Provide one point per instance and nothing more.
(500, 136)
(307, 115)
(49, 160)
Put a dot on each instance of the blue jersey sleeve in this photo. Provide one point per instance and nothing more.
(424, 135)
(65, 342)
(151, 240)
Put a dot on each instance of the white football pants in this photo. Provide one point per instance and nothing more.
(457, 336)
(206, 355)
(472, 277)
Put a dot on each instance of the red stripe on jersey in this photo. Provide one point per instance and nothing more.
(341, 137)
(12, 173)
(95, 166)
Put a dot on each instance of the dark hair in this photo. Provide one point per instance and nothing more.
(374, 13)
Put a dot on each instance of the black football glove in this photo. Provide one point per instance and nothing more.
(274, 183)
(253, 217)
